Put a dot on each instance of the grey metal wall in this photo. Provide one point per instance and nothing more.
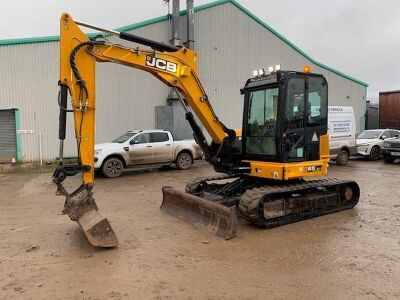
(372, 116)
(230, 45)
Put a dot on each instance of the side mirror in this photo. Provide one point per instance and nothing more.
(132, 142)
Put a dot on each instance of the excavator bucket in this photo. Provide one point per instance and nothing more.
(98, 230)
(81, 207)
(202, 213)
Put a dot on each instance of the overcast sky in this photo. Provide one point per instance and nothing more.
(359, 37)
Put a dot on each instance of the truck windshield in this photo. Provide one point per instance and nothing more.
(123, 138)
(372, 134)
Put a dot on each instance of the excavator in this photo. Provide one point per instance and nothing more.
(264, 170)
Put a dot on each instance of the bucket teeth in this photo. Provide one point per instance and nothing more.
(202, 213)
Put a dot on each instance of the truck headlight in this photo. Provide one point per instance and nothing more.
(97, 151)
(386, 145)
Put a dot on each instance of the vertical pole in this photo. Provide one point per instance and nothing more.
(175, 40)
(40, 149)
(190, 24)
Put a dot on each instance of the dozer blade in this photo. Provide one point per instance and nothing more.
(81, 207)
(202, 213)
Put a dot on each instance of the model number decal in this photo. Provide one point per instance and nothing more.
(313, 168)
(161, 64)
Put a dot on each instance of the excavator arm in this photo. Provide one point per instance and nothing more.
(176, 67)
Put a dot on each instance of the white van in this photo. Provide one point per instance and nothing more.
(342, 133)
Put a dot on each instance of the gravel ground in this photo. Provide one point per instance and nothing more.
(348, 255)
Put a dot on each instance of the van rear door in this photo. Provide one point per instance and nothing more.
(341, 128)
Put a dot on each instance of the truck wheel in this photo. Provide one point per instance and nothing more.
(342, 158)
(112, 167)
(389, 159)
(375, 153)
(183, 161)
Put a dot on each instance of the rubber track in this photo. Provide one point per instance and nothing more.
(249, 205)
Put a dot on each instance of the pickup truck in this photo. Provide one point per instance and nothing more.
(144, 148)
(391, 149)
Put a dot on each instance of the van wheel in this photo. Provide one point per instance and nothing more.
(112, 167)
(389, 159)
(342, 158)
(184, 161)
(375, 153)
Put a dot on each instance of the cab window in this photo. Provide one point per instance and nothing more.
(294, 113)
(394, 133)
(142, 138)
(261, 121)
(317, 110)
(158, 137)
(385, 135)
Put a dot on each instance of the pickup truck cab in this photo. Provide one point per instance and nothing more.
(144, 148)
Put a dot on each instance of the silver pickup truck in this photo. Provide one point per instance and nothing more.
(144, 148)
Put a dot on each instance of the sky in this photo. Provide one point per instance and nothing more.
(359, 37)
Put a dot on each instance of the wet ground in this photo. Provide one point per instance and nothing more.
(353, 254)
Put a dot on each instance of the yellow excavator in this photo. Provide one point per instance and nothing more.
(264, 170)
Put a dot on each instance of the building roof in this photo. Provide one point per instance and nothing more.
(183, 12)
(390, 92)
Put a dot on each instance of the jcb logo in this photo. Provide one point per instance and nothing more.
(161, 64)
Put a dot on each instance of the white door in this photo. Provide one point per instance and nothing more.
(141, 150)
(162, 147)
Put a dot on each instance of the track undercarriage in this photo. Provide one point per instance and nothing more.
(264, 203)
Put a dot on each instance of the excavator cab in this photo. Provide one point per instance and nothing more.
(285, 114)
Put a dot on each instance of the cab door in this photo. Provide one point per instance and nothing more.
(316, 115)
(305, 118)
(293, 129)
(140, 150)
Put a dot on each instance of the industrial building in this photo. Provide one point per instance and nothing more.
(230, 40)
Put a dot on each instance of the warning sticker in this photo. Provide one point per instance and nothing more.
(314, 137)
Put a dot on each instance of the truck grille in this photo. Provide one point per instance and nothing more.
(395, 145)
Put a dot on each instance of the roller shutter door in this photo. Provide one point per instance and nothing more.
(8, 138)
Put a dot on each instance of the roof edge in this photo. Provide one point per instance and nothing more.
(390, 92)
(196, 9)
(31, 40)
